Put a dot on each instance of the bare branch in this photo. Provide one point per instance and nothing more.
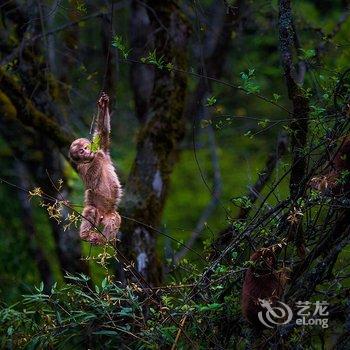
(265, 175)
(253, 194)
(29, 41)
(213, 203)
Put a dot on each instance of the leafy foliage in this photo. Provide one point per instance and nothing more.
(153, 59)
(118, 43)
(249, 85)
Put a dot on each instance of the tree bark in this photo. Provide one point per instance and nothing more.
(141, 75)
(299, 122)
(31, 126)
(158, 142)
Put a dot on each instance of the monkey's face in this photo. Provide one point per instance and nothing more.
(80, 151)
(343, 157)
(264, 260)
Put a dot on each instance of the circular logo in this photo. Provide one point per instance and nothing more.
(274, 315)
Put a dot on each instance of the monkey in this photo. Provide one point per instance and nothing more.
(339, 165)
(103, 190)
(342, 157)
(262, 281)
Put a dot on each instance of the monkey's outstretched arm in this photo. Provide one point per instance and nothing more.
(103, 127)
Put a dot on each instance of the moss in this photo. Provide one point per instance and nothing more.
(6, 107)
(30, 115)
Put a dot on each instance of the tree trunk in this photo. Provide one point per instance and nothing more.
(158, 143)
(299, 122)
(31, 125)
(142, 76)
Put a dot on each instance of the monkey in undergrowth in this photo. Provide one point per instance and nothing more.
(338, 178)
(262, 281)
(102, 187)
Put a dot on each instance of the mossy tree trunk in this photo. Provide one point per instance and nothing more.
(141, 75)
(158, 142)
(32, 124)
(299, 116)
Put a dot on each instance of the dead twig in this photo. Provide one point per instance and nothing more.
(182, 323)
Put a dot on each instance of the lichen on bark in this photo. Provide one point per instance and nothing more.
(157, 143)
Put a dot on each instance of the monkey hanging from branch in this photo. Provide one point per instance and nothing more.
(102, 187)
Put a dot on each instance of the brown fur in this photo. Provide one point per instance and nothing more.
(342, 158)
(339, 164)
(261, 281)
(102, 187)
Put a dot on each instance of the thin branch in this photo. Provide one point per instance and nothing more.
(338, 26)
(182, 323)
(29, 41)
(265, 175)
(209, 209)
(254, 192)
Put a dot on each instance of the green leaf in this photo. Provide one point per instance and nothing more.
(40, 288)
(205, 123)
(53, 288)
(210, 307)
(264, 123)
(96, 143)
(152, 58)
(251, 72)
(211, 101)
(276, 97)
(81, 6)
(105, 332)
(125, 311)
(242, 202)
(249, 134)
(10, 331)
(170, 66)
(118, 43)
(249, 85)
(307, 54)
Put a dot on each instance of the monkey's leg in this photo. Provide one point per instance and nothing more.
(91, 219)
(111, 224)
